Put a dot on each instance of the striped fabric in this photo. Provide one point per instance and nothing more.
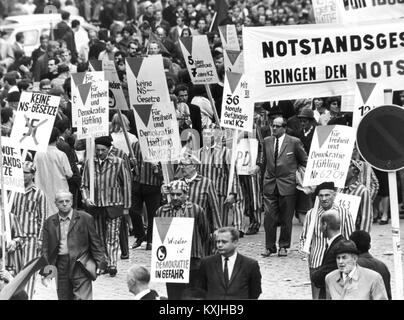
(108, 230)
(121, 154)
(15, 260)
(364, 218)
(203, 193)
(112, 182)
(112, 240)
(201, 225)
(31, 209)
(319, 242)
(369, 179)
(146, 174)
(216, 166)
(251, 191)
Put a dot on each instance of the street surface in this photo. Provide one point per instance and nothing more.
(282, 277)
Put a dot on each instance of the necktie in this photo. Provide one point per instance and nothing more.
(226, 272)
(276, 150)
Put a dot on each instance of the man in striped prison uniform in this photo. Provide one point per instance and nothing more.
(364, 219)
(112, 191)
(202, 192)
(30, 208)
(215, 164)
(326, 194)
(126, 223)
(366, 176)
(250, 185)
(146, 189)
(181, 207)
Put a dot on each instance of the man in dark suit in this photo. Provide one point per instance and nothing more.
(282, 156)
(63, 31)
(366, 260)
(138, 279)
(229, 275)
(330, 227)
(70, 236)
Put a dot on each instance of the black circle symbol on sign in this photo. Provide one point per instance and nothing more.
(380, 137)
(112, 99)
(161, 253)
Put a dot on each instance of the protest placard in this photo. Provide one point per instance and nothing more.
(77, 79)
(349, 202)
(370, 94)
(158, 133)
(330, 155)
(228, 36)
(247, 152)
(93, 113)
(353, 11)
(146, 80)
(237, 105)
(34, 120)
(325, 11)
(12, 165)
(171, 250)
(198, 59)
(321, 60)
(233, 61)
(116, 97)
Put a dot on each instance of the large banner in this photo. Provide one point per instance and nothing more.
(352, 11)
(12, 165)
(77, 79)
(321, 60)
(93, 113)
(146, 80)
(198, 59)
(171, 250)
(34, 120)
(158, 132)
(247, 152)
(237, 105)
(330, 155)
(325, 10)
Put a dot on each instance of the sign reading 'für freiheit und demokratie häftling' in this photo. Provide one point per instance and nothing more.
(293, 62)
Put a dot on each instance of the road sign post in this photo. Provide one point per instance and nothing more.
(379, 138)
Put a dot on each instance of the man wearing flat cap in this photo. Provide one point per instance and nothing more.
(112, 197)
(326, 194)
(351, 281)
(30, 208)
(180, 206)
(354, 187)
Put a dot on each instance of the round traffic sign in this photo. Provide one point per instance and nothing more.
(380, 137)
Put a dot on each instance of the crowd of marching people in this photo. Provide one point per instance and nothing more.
(129, 192)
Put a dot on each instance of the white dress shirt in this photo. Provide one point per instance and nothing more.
(281, 138)
(230, 263)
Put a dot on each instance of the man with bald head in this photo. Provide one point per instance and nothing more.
(69, 241)
(330, 225)
(138, 279)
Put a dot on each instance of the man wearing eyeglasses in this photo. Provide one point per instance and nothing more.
(282, 156)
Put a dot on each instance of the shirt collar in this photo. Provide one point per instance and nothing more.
(141, 294)
(329, 241)
(232, 258)
(352, 186)
(69, 216)
(189, 180)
